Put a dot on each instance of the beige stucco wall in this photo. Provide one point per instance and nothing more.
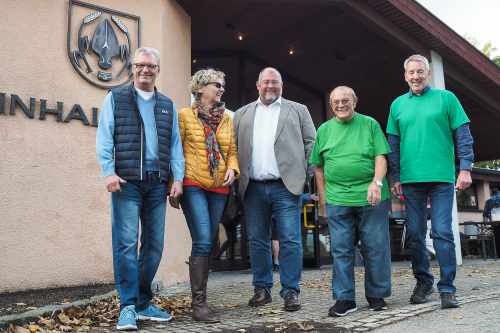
(54, 210)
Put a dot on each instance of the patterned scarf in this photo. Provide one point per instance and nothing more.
(210, 118)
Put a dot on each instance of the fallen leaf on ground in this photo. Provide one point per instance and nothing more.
(33, 328)
(63, 318)
(48, 323)
(305, 326)
(65, 328)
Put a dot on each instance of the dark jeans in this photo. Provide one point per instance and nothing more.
(143, 201)
(372, 225)
(203, 211)
(263, 201)
(441, 199)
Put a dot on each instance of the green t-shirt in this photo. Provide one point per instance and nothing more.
(425, 126)
(347, 152)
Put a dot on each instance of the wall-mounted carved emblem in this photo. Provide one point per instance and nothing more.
(100, 42)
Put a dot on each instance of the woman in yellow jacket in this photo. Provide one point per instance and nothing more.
(207, 134)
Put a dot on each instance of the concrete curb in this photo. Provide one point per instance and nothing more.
(25, 317)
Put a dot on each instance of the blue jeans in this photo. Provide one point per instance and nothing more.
(441, 199)
(263, 201)
(203, 211)
(143, 201)
(371, 223)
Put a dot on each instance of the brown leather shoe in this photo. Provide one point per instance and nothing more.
(292, 302)
(261, 297)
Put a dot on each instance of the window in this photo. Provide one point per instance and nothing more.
(467, 199)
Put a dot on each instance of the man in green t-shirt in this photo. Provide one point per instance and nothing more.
(349, 155)
(423, 127)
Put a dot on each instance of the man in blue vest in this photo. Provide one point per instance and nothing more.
(138, 148)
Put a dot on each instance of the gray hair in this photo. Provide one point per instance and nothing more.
(349, 89)
(271, 69)
(202, 78)
(149, 51)
(417, 58)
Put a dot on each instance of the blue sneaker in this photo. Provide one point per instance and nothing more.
(127, 319)
(153, 313)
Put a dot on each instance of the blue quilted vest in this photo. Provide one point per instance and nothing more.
(129, 137)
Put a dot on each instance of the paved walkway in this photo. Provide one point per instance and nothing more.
(478, 284)
(476, 317)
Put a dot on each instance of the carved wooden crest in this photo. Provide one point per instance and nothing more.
(100, 43)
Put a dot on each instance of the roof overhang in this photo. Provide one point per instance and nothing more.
(361, 43)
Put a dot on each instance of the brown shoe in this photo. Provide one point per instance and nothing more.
(292, 302)
(198, 274)
(261, 297)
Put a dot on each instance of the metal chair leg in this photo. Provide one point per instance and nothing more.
(483, 248)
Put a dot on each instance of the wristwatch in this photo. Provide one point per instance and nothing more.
(379, 183)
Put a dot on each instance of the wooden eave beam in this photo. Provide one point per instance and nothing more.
(385, 27)
(481, 98)
(454, 42)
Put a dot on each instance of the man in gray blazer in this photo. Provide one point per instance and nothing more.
(275, 137)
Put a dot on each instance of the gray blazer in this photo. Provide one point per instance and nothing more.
(293, 143)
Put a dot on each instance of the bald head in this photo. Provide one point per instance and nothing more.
(269, 85)
(344, 89)
(269, 69)
(343, 100)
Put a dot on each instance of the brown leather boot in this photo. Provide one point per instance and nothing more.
(198, 275)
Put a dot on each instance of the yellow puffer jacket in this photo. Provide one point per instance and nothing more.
(195, 149)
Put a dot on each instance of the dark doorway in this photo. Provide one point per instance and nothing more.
(318, 45)
(315, 48)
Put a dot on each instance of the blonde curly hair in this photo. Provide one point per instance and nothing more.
(203, 77)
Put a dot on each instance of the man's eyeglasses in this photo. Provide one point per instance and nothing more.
(149, 66)
(270, 82)
(336, 102)
(218, 85)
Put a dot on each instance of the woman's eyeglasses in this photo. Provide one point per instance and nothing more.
(218, 85)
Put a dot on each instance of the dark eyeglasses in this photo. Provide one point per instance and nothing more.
(218, 85)
(149, 66)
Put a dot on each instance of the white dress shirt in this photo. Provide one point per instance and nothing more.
(264, 165)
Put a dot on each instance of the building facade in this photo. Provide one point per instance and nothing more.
(54, 208)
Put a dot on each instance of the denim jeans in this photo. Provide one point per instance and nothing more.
(262, 201)
(203, 211)
(372, 225)
(143, 201)
(441, 200)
